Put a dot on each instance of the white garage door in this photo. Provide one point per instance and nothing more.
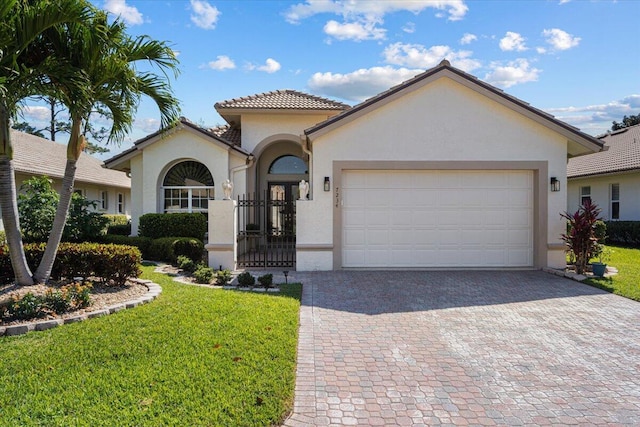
(437, 218)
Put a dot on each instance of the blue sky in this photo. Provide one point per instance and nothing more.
(575, 59)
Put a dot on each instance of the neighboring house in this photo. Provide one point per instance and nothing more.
(443, 170)
(35, 156)
(610, 178)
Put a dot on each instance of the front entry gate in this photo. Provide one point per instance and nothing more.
(267, 231)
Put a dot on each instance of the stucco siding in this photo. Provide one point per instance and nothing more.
(442, 121)
(601, 194)
(159, 157)
(256, 128)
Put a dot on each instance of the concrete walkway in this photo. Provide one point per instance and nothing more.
(464, 348)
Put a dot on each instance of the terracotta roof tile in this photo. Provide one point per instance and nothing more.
(39, 156)
(282, 100)
(623, 154)
(228, 133)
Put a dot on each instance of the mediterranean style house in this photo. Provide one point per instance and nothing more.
(443, 170)
(35, 156)
(610, 178)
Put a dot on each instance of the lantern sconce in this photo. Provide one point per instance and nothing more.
(327, 184)
(555, 184)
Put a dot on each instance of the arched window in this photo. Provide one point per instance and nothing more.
(288, 165)
(186, 187)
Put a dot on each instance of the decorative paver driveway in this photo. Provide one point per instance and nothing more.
(464, 348)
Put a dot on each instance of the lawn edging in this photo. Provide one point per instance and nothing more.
(153, 290)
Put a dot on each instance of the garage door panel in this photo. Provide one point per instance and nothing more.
(437, 218)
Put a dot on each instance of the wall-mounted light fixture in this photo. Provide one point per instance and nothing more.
(327, 184)
(555, 184)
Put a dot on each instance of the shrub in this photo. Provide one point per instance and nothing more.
(107, 262)
(37, 209)
(119, 225)
(169, 248)
(37, 203)
(625, 233)
(59, 301)
(223, 277)
(116, 219)
(30, 306)
(203, 274)
(266, 280)
(3, 238)
(142, 243)
(176, 224)
(186, 263)
(581, 238)
(83, 224)
(246, 279)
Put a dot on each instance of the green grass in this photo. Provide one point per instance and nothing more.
(194, 357)
(627, 282)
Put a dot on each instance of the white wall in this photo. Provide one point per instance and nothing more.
(442, 121)
(601, 194)
(257, 127)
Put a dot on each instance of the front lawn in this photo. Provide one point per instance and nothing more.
(194, 357)
(627, 281)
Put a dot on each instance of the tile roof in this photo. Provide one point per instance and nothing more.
(39, 156)
(231, 134)
(282, 100)
(623, 154)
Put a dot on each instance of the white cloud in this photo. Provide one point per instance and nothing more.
(35, 113)
(513, 73)
(560, 40)
(597, 118)
(357, 31)
(147, 125)
(456, 9)
(468, 38)
(409, 27)
(512, 41)
(541, 50)
(221, 63)
(564, 1)
(270, 66)
(360, 84)
(418, 56)
(204, 15)
(129, 14)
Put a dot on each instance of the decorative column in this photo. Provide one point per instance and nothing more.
(223, 230)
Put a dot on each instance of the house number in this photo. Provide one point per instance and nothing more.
(337, 196)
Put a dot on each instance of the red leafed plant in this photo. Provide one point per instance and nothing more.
(581, 237)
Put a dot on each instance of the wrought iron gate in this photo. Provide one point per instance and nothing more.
(266, 232)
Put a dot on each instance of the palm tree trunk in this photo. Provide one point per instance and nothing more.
(9, 204)
(74, 148)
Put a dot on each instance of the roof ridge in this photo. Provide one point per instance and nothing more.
(262, 95)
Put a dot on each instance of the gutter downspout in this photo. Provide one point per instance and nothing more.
(247, 165)
(304, 142)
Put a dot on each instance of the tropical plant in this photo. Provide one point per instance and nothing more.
(581, 236)
(108, 57)
(27, 67)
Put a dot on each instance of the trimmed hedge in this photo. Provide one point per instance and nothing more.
(118, 224)
(625, 233)
(170, 248)
(107, 262)
(142, 243)
(158, 226)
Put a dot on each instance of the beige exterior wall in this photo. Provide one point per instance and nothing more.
(440, 122)
(601, 194)
(258, 127)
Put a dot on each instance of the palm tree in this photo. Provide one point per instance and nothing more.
(26, 66)
(114, 86)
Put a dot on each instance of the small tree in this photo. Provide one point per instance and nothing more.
(582, 234)
(37, 207)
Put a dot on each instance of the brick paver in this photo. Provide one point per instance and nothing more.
(413, 348)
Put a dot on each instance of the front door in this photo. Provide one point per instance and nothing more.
(281, 214)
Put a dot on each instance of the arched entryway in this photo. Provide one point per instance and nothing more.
(186, 187)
